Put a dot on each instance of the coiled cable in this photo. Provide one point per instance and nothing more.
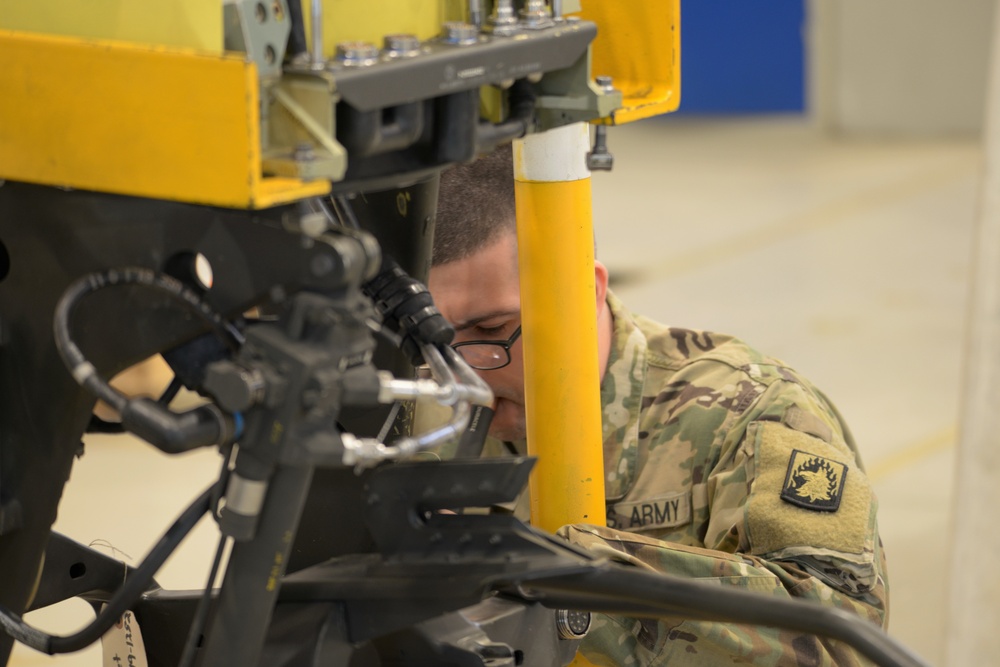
(123, 599)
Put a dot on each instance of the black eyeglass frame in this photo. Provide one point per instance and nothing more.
(505, 345)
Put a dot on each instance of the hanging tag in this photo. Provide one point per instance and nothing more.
(122, 644)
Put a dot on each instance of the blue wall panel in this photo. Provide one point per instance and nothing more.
(742, 56)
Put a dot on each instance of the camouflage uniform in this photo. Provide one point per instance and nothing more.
(724, 465)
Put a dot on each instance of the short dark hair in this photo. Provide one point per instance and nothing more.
(475, 206)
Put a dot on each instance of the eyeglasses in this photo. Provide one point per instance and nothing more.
(487, 355)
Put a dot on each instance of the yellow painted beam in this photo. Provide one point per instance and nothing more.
(559, 320)
(639, 45)
(192, 24)
(153, 122)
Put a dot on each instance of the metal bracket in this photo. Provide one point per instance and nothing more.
(259, 29)
(570, 96)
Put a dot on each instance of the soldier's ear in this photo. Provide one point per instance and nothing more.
(601, 283)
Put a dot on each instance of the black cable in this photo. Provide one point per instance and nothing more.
(83, 371)
(152, 421)
(170, 393)
(122, 600)
(201, 613)
(98, 425)
(638, 593)
(407, 309)
(297, 35)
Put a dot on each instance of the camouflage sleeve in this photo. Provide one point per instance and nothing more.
(616, 640)
(791, 514)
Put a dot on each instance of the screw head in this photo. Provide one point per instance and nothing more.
(456, 32)
(357, 54)
(401, 45)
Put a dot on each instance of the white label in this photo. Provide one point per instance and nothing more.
(123, 645)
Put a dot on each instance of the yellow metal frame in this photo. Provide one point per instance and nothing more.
(371, 21)
(159, 122)
(639, 45)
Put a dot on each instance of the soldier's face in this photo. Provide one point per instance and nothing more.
(480, 297)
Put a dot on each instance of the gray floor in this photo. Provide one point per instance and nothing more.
(849, 260)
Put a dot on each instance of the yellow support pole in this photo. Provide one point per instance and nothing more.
(559, 321)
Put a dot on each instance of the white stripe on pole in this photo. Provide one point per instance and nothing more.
(553, 156)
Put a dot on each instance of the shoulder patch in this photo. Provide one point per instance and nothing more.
(781, 456)
(814, 482)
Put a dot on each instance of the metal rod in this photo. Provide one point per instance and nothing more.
(317, 32)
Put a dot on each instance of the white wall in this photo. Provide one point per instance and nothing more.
(898, 67)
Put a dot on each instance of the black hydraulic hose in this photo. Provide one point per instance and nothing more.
(82, 370)
(149, 419)
(122, 600)
(170, 393)
(407, 309)
(204, 605)
(297, 35)
(638, 593)
(98, 425)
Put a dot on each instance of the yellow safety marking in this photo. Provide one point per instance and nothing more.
(914, 453)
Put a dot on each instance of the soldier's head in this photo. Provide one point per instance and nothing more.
(474, 276)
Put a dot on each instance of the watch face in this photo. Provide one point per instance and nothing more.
(572, 624)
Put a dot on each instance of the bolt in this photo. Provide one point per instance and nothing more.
(605, 84)
(357, 54)
(401, 45)
(600, 159)
(456, 32)
(536, 15)
(303, 152)
(476, 12)
(503, 20)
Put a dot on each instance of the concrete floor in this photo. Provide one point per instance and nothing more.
(849, 260)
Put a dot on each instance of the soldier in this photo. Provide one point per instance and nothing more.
(721, 464)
